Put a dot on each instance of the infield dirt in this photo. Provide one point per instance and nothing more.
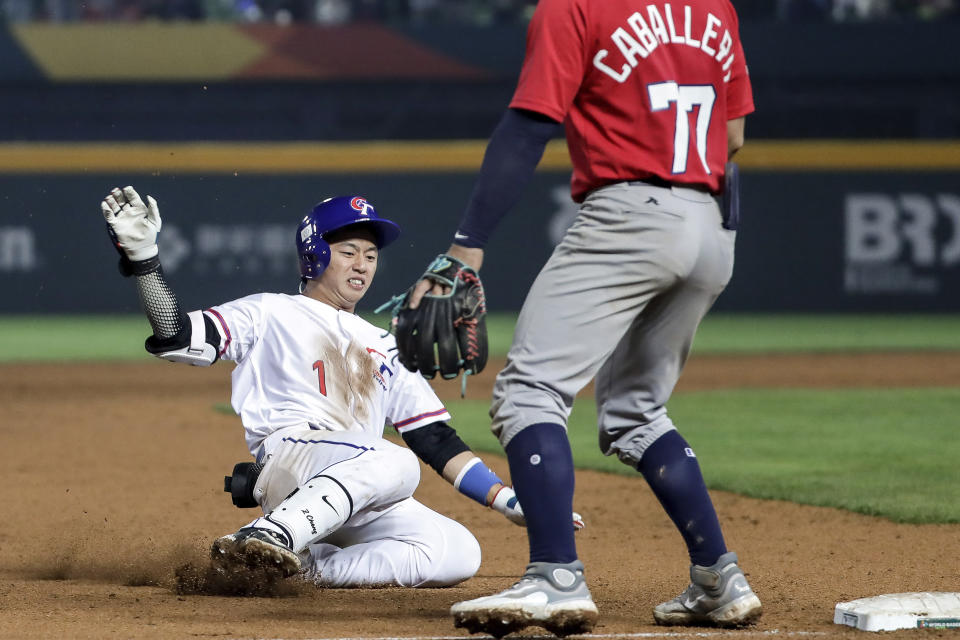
(113, 474)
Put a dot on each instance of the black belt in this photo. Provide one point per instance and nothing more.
(657, 181)
(653, 181)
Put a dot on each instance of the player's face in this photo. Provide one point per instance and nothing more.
(353, 263)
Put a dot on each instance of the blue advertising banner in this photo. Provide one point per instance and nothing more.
(858, 241)
(808, 242)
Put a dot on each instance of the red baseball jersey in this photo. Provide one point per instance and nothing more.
(643, 88)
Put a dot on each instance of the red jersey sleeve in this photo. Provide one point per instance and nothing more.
(553, 67)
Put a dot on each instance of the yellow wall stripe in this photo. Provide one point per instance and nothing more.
(839, 155)
(443, 156)
(295, 157)
(139, 52)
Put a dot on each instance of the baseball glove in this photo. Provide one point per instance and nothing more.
(445, 333)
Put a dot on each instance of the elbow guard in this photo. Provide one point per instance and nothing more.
(435, 444)
(198, 343)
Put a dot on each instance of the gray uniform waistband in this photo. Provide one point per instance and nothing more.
(657, 181)
(694, 192)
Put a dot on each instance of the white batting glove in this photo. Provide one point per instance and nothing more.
(133, 224)
(506, 502)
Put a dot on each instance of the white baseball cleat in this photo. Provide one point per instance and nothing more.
(717, 596)
(255, 549)
(549, 595)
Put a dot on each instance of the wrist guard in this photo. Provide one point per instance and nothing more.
(475, 481)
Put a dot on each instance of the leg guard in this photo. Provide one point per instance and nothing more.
(315, 510)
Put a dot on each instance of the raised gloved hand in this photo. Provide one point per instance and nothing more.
(133, 225)
(506, 502)
(446, 332)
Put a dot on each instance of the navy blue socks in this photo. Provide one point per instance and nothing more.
(672, 471)
(541, 469)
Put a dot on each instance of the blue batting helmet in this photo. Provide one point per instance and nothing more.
(333, 214)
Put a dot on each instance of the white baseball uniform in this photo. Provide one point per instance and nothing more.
(314, 387)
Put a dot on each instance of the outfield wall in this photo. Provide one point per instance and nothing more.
(828, 226)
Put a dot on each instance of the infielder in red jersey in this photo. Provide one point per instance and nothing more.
(645, 89)
(653, 97)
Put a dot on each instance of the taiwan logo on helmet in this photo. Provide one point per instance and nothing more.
(361, 205)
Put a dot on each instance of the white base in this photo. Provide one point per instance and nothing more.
(901, 611)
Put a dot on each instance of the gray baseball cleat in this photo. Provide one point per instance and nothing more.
(255, 549)
(549, 595)
(717, 596)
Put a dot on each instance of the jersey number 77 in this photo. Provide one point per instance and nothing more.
(686, 97)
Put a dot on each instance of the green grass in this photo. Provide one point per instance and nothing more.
(766, 333)
(71, 338)
(120, 337)
(881, 452)
(772, 333)
(889, 452)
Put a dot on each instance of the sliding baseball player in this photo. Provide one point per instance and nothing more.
(314, 386)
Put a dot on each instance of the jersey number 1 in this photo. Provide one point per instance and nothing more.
(321, 376)
(663, 94)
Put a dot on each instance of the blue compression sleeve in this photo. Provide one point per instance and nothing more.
(475, 480)
(512, 155)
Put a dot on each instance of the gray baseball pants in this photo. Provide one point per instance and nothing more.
(619, 300)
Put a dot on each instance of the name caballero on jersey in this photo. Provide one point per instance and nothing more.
(648, 29)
